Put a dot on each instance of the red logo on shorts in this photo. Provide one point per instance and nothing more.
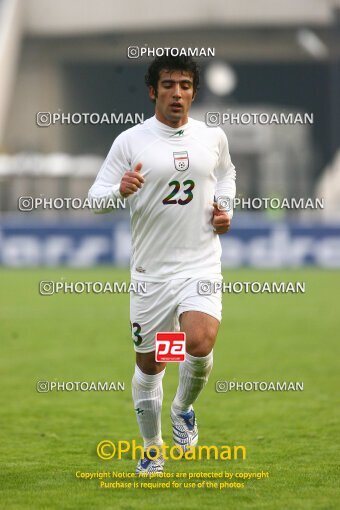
(170, 346)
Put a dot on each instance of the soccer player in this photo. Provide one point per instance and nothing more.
(172, 170)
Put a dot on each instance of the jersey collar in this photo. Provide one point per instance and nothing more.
(168, 132)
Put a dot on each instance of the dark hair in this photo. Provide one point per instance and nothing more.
(168, 63)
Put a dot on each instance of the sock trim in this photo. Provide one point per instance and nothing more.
(147, 380)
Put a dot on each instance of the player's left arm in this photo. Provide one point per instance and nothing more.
(225, 190)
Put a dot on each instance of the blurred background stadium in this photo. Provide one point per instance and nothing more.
(71, 56)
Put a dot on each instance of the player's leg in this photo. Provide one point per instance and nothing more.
(199, 317)
(147, 393)
(201, 331)
(148, 364)
(149, 314)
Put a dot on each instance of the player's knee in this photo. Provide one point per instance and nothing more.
(199, 351)
(147, 363)
(201, 345)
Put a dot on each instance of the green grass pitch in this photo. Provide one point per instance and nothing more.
(47, 437)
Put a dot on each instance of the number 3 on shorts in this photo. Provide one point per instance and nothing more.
(136, 334)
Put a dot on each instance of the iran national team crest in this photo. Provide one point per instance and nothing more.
(181, 160)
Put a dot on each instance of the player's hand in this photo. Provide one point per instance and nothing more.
(220, 220)
(131, 181)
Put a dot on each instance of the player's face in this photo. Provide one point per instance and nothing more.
(175, 94)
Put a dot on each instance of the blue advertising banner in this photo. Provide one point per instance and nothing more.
(77, 244)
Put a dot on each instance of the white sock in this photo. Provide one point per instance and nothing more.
(147, 394)
(193, 376)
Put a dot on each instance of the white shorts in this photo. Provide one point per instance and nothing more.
(159, 308)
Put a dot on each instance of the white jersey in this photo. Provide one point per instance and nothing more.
(184, 170)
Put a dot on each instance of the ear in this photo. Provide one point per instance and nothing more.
(152, 94)
(193, 96)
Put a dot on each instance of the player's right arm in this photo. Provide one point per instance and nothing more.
(115, 180)
(131, 181)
